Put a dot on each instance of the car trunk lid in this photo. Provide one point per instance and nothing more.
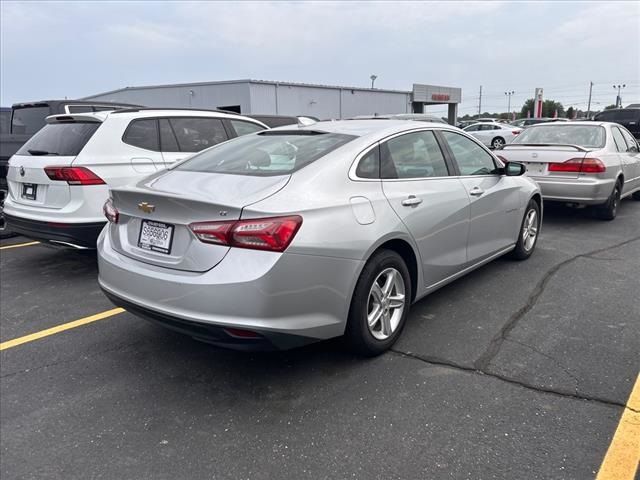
(538, 157)
(155, 214)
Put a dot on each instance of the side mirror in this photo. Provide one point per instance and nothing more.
(632, 149)
(514, 169)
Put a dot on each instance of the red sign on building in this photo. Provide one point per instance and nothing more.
(440, 97)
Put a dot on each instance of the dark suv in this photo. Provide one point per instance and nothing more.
(627, 117)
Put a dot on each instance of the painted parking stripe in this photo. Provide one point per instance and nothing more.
(622, 458)
(18, 245)
(60, 328)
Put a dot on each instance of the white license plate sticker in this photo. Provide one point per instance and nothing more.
(155, 236)
(536, 169)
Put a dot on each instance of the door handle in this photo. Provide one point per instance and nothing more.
(411, 201)
(476, 191)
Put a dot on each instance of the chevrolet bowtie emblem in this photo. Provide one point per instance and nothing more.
(146, 208)
(22, 171)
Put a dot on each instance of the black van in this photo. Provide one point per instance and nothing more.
(629, 118)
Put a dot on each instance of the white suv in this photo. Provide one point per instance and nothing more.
(60, 179)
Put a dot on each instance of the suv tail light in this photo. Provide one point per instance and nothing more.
(579, 165)
(274, 234)
(110, 211)
(73, 175)
(515, 132)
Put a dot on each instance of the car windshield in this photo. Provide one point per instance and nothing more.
(591, 136)
(266, 153)
(66, 139)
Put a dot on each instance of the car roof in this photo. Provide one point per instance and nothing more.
(363, 127)
(149, 113)
(566, 124)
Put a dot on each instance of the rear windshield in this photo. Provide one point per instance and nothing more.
(28, 120)
(65, 139)
(618, 115)
(583, 135)
(266, 153)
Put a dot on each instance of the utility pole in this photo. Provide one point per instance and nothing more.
(508, 94)
(480, 102)
(589, 104)
(618, 99)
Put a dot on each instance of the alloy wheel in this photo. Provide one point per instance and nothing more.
(386, 303)
(530, 230)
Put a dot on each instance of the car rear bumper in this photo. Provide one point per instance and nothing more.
(75, 235)
(288, 299)
(582, 190)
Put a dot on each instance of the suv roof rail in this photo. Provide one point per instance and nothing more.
(146, 109)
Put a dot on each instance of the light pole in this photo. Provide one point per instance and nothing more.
(618, 99)
(373, 79)
(508, 94)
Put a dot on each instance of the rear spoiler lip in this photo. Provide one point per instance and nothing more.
(73, 117)
(577, 147)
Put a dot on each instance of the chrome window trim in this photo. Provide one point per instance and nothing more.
(365, 151)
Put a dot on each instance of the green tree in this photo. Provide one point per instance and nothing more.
(570, 112)
(549, 108)
(610, 107)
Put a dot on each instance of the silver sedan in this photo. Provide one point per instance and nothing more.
(581, 163)
(494, 135)
(304, 233)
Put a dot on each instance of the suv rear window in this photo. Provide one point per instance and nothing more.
(266, 153)
(28, 120)
(64, 139)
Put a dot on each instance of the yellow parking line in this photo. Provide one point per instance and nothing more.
(17, 245)
(60, 328)
(622, 458)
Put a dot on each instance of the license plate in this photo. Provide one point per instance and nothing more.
(155, 236)
(536, 169)
(29, 191)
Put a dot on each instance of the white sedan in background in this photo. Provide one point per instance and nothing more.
(494, 135)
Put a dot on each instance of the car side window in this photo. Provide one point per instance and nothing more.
(618, 139)
(168, 142)
(369, 165)
(472, 128)
(142, 133)
(413, 155)
(244, 128)
(631, 142)
(471, 158)
(195, 134)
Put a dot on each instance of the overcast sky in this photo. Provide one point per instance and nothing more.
(73, 49)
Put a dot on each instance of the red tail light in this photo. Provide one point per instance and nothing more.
(579, 165)
(73, 175)
(515, 132)
(274, 234)
(110, 211)
(241, 333)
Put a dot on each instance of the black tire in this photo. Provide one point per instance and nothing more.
(4, 231)
(524, 248)
(609, 210)
(358, 334)
(498, 142)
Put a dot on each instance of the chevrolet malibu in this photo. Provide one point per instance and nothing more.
(303, 233)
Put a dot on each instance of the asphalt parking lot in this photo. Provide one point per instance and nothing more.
(517, 371)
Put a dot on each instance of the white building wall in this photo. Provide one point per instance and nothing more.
(193, 96)
(267, 98)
